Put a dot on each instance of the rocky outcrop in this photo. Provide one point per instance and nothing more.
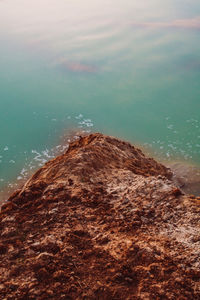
(101, 221)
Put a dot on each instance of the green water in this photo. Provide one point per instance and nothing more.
(123, 68)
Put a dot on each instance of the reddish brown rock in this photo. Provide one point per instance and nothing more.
(101, 221)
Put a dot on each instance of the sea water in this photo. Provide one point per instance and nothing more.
(126, 68)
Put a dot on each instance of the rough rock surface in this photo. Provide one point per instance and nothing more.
(101, 221)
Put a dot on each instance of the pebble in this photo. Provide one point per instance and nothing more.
(128, 279)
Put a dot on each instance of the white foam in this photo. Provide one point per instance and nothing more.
(11, 161)
(79, 116)
(170, 126)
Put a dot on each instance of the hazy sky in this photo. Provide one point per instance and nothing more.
(48, 14)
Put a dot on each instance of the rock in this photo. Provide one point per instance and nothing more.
(9, 232)
(3, 249)
(101, 221)
(42, 274)
(128, 279)
(59, 275)
(2, 287)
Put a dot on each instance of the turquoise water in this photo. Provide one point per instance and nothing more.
(123, 68)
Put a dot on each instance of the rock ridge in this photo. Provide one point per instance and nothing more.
(101, 221)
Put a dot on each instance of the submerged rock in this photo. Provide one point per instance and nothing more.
(101, 221)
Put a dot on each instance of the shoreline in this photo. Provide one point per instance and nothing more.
(59, 147)
(186, 175)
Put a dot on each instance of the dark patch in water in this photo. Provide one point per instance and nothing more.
(78, 67)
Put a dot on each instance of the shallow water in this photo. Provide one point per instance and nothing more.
(127, 69)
